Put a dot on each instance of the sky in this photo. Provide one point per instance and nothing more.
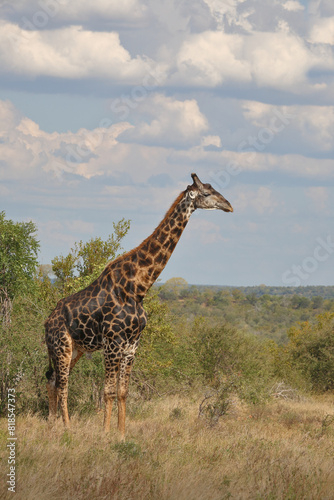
(107, 107)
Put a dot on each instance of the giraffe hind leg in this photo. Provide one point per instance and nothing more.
(62, 374)
(60, 353)
(52, 392)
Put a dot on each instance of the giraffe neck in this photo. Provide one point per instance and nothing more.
(154, 252)
(143, 264)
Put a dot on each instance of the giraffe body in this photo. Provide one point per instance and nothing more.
(109, 313)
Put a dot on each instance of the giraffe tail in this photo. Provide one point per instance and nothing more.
(50, 371)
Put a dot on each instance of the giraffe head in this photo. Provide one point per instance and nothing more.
(206, 197)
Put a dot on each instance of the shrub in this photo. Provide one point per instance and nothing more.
(311, 351)
(223, 351)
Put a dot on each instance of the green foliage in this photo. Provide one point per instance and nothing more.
(175, 287)
(86, 261)
(326, 292)
(311, 351)
(18, 256)
(225, 353)
(23, 357)
(195, 337)
(86, 385)
(155, 358)
(20, 347)
(257, 312)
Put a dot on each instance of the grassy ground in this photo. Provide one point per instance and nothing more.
(284, 450)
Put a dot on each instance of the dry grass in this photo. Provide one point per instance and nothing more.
(284, 450)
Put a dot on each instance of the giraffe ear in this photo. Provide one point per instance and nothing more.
(192, 195)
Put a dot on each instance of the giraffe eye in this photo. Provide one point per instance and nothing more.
(206, 194)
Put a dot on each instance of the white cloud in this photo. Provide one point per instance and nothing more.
(293, 6)
(314, 125)
(87, 153)
(278, 59)
(228, 11)
(266, 56)
(211, 140)
(9, 118)
(26, 150)
(29, 153)
(323, 31)
(226, 167)
(71, 52)
(174, 122)
(267, 115)
(211, 58)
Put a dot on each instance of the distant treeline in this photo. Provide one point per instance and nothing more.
(326, 292)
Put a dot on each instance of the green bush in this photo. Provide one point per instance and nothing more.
(311, 351)
(23, 357)
(225, 353)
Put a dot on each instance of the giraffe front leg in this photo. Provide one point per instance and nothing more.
(62, 391)
(122, 390)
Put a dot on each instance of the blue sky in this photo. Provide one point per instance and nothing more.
(106, 107)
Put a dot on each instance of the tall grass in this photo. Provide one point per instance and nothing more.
(283, 450)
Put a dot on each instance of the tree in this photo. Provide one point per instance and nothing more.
(174, 287)
(225, 353)
(300, 302)
(311, 350)
(18, 261)
(317, 302)
(237, 295)
(86, 260)
(23, 356)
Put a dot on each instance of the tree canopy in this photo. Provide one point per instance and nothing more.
(85, 261)
(18, 257)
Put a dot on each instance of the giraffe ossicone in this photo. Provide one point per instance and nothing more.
(109, 313)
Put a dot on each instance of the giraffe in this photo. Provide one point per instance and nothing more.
(109, 313)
